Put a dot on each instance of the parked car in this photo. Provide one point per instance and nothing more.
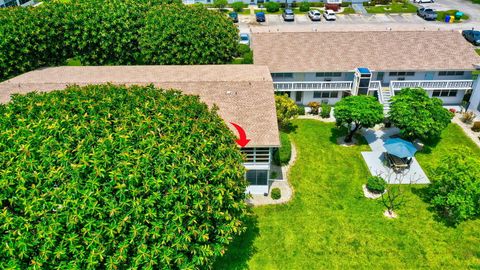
(233, 16)
(244, 39)
(423, 1)
(329, 15)
(427, 13)
(260, 16)
(314, 15)
(288, 15)
(472, 36)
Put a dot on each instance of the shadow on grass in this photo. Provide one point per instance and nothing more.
(241, 249)
(424, 195)
(289, 128)
(430, 144)
(340, 132)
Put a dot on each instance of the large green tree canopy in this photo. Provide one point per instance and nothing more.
(417, 115)
(455, 188)
(177, 34)
(357, 112)
(118, 178)
(113, 32)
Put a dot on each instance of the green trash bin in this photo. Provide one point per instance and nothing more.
(458, 15)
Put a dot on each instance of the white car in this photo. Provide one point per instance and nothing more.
(329, 15)
(423, 1)
(314, 15)
(244, 39)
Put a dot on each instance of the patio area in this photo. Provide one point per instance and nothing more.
(377, 165)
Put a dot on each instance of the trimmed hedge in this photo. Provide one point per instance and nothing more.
(276, 193)
(110, 177)
(282, 155)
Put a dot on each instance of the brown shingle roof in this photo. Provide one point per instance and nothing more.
(243, 93)
(377, 50)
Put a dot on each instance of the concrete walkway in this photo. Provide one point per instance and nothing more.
(280, 182)
(376, 162)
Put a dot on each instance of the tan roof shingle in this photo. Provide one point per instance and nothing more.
(243, 93)
(376, 50)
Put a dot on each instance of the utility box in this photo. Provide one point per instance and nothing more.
(458, 15)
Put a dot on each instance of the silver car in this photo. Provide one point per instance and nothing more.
(288, 15)
(314, 15)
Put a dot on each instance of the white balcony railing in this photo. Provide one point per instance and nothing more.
(374, 86)
(313, 86)
(433, 85)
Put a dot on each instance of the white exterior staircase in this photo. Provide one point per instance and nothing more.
(385, 95)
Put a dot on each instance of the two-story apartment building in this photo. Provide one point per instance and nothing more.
(326, 66)
(230, 87)
(13, 3)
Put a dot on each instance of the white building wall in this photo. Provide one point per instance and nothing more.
(475, 99)
(308, 97)
(422, 75)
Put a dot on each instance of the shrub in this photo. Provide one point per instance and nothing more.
(243, 49)
(301, 110)
(317, 4)
(286, 110)
(314, 106)
(272, 6)
(376, 184)
(304, 6)
(345, 4)
(276, 193)
(326, 109)
(179, 35)
(98, 177)
(273, 175)
(237, 6)
(468, 117)
(476, 126)
(248, 58)
(282, 155)
(220, 4)
(452, 110)
(455, 188)
(417, 115)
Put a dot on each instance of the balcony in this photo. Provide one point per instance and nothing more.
(313, 86)
(433, 85)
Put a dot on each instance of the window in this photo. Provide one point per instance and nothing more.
(282, 75)
(444, 93)
(325, 94)
(328, 74)
(451, 73)
(257, 177)
(410, 73)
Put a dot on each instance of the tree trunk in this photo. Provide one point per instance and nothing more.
(350, 134)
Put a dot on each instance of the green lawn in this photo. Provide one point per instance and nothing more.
(330, 225)
(395, 7)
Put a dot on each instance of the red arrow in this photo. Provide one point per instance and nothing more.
(242, 141)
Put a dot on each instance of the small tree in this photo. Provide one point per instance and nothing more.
(417, 115)
(356, 112)
(455, 188)
(304, 6)
(220, 4)
(237, 6)
(272, 6)
(286, 110)
(394, 197)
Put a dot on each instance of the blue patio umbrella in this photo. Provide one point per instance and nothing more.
(400, 148)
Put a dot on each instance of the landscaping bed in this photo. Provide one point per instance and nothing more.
(442, 14)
